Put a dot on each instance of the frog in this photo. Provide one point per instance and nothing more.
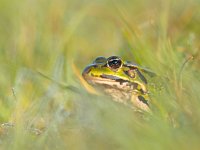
(124, 81)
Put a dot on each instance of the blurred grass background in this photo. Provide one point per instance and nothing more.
(52, 36)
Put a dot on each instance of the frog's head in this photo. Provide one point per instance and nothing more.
(113, 72)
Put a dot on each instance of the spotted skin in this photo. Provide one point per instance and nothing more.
(124, 81)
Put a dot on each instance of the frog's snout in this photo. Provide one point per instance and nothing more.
(86, 71)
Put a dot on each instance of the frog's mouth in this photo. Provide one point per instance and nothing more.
(110, 81)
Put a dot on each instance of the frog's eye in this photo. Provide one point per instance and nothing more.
(100, 60)
(114, 62)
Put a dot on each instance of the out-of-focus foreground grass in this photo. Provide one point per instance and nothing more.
(59, 38)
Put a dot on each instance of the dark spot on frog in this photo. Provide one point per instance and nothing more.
(93, 75)
(141, 76)
(142, 99)
(117, 79)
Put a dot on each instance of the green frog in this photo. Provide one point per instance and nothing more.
(123, 80)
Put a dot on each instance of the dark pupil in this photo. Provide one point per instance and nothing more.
(115, 64)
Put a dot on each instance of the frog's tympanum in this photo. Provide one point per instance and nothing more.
(124, 81)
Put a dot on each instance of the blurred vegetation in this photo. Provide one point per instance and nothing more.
(58, 38)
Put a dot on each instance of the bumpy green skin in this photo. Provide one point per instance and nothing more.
(122, 80)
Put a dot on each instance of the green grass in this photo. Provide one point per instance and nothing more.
(52, 36)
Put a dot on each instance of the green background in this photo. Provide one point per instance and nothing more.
(43, 42)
